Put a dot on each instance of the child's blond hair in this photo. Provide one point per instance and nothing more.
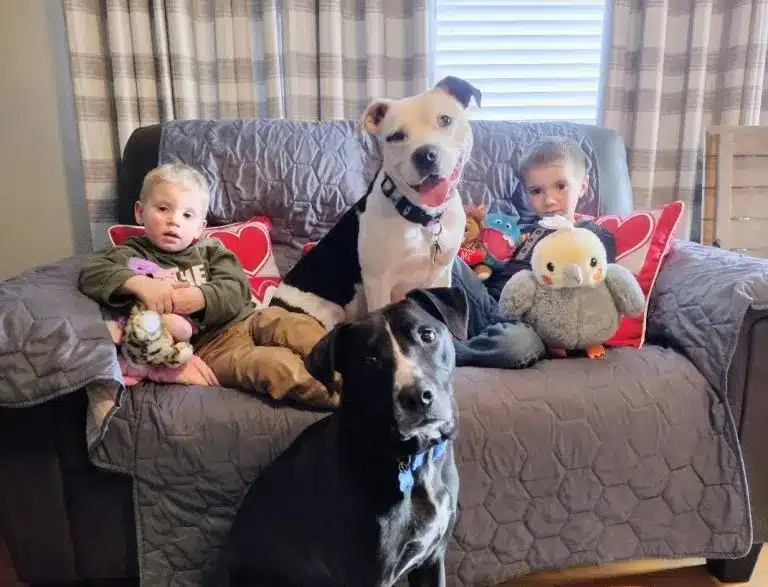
(177, 173)
(555, 150)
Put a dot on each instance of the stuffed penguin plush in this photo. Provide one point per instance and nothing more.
(572, 297)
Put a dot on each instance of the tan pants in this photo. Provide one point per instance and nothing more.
(265, 354)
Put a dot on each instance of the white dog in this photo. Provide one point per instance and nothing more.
(405, 232)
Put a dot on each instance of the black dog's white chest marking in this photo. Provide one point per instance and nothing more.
(425, 518)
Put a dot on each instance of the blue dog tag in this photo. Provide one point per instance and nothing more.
(407, 467)
(406, 481)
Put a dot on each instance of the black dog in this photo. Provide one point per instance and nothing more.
(367, 495)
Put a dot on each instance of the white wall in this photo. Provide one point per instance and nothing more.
(42, 213)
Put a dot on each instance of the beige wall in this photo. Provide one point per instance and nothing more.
(36, 171)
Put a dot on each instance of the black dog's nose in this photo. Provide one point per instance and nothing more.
(416, 398)
(425, 158)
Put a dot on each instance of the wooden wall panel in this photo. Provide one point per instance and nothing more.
(735, 189)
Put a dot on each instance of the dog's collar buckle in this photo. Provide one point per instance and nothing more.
(408, 465)
(406, 209)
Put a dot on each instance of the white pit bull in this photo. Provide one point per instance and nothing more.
(405, 232)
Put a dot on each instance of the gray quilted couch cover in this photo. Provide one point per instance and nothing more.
(569, 462)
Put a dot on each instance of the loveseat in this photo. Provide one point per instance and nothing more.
(649, 452)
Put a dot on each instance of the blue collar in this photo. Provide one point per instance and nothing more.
(407, 209)
(410, 464)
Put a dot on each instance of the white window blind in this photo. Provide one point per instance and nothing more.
(532, 59)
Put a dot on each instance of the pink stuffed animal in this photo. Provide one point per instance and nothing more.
(181, 329)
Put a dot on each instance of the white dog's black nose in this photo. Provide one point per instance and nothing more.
(425, 158)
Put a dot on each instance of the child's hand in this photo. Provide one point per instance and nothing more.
(156, 294)
(188, 301)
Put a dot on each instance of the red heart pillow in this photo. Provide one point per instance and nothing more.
(248, 240)
(643, 240)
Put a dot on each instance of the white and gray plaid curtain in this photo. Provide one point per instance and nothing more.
(139, 62)
(675, 68)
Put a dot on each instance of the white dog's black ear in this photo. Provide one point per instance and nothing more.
(460, 89)
(322, 360)
(373, 115)
(447, 304)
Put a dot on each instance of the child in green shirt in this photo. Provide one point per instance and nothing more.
(253, 349)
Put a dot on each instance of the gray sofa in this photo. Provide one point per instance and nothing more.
(648, 453)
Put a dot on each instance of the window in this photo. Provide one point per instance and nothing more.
(532, 59)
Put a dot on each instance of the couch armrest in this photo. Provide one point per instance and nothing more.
(62, 518)
(700, 302)
(712, 304)
(33, 506)
(748, 400)
(53, 338)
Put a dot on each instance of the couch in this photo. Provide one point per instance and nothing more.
(655, 452)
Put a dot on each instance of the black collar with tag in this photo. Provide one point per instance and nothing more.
(405, 207)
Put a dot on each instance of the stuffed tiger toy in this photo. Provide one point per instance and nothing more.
(146, 341)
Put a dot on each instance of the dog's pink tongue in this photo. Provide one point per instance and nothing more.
(434, 193)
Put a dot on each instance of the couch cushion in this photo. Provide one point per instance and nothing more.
(615, 188)
(579, 461)
(570, 462)
(304, 175)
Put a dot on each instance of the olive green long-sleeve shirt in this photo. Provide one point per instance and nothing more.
(207, 264)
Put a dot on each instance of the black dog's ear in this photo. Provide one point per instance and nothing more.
(460, 89)
(447, 304)
(322, 360)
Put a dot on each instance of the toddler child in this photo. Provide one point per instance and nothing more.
(554, 174)
(259, 350)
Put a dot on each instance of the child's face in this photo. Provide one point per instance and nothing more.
(173, 217)
(554, 189)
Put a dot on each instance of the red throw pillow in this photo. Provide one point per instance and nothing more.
(248, 240)
(643, 239)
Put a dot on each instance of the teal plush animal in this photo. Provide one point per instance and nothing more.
(501, 237)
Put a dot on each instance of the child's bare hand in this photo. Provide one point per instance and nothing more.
(156, 294)
(188, 301)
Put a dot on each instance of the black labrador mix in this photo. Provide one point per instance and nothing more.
(367, 495)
